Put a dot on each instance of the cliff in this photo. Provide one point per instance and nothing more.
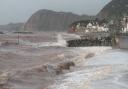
(47, 20)
(113, 10)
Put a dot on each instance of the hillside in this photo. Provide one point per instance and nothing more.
(12, 27)
(115, 9)
(47, 20)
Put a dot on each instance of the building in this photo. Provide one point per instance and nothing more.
(90, 26)
(125, 24)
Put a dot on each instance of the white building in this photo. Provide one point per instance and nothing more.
(90, 26)
(125, 24)
(95, 27)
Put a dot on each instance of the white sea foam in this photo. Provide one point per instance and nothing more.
(82, 52)
(111, 58)
(104, 64)
(71, 36)
(81, 79)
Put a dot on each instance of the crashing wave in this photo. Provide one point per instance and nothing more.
(81, 78)
(60, 42)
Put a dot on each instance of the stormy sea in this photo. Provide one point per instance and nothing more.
(40, 62)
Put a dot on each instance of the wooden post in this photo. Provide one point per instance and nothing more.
(18, 39)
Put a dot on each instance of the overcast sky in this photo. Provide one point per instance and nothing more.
(21, 10)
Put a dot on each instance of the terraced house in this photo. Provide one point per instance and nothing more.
(89, 26)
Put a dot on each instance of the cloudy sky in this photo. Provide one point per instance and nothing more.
(21, 10)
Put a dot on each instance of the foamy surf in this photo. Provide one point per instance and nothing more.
(83, 53)
(81, 79)
(104, 66)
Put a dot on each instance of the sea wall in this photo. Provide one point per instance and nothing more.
(122, 42)
(104, 41)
